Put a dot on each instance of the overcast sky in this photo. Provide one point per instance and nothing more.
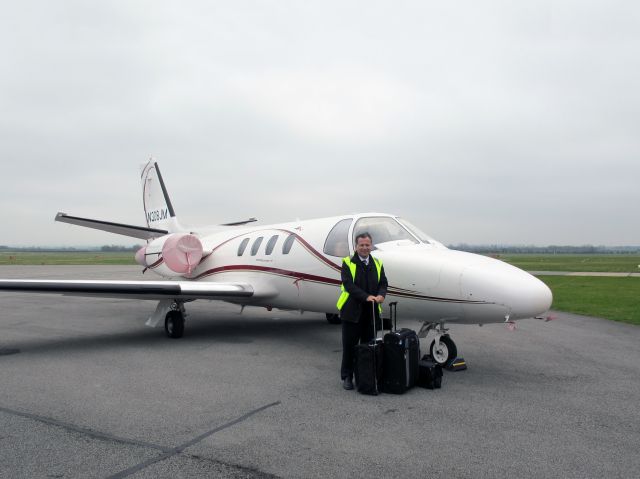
(479, 121)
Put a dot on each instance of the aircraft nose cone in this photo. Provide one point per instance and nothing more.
(536, 301)
(523, 295)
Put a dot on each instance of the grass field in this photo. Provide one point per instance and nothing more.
(612, 263)
(611, 298)
(72, 258)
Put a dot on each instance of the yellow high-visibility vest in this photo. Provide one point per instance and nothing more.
(344, 295)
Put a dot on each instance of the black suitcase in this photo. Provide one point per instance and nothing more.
(368, 370)
(429, 373)
(400, 358)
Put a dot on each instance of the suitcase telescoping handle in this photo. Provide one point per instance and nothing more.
(373, 319)
(393, 315)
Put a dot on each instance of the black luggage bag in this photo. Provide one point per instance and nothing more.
(369, 358)
(401, 356)
(429, 373)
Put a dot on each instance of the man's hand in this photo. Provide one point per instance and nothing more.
(379, 299)
(373, 299)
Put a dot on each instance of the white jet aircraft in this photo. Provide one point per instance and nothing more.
(296, 266)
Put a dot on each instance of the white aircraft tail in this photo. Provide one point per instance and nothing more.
(158, 210)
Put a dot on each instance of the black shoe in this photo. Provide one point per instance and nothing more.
(347, 384)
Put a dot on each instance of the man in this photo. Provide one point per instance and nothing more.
(364, 286)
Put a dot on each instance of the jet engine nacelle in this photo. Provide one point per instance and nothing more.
(177, 253)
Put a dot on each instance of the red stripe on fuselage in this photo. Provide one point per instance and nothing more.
(267, 269)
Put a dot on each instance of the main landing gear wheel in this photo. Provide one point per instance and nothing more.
(446, 353)
(174, 324)
(333, 318)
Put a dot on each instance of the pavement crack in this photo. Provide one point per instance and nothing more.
(83, 430)
(235, 467)
(178, 449)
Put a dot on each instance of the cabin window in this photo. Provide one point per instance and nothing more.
(288, 243)
(337, 242)
(243, 246)
(271, 244)
(382, 229)
(256, 245)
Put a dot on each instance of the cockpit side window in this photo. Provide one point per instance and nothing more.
(382, 229)
(337, 242)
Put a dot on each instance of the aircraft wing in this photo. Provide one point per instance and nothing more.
(117, 228)
(131, 289)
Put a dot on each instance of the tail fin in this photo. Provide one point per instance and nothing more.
(158, 210)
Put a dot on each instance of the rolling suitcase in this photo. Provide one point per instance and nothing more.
(369, 358)
(429, 373)
(400, 358)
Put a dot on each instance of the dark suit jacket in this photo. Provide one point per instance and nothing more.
(366, 284)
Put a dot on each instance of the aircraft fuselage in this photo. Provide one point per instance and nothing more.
(429, 281)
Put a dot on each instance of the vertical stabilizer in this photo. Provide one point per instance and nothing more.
(158, 210)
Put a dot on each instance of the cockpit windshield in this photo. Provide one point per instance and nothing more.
(422, 236)
(383, 229)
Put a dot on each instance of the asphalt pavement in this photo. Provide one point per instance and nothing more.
(86, 390)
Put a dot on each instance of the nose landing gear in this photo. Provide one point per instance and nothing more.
(442, 349)
(444, 352)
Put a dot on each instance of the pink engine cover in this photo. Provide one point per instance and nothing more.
(182, 253)
(140, 257)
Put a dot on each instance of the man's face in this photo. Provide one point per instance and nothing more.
(363, 247)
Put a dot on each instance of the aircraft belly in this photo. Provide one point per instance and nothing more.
(269, 290)
(318, 297)
(425, 309)
(447, 311)
(484, 313)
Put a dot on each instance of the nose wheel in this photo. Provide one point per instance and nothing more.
(444, 352)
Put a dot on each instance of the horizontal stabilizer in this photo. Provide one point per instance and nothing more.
(141, 232)
(131, 289)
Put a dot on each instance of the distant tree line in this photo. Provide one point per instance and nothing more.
(551, 249)
(115, 247)
(482, 249)
(57, 249)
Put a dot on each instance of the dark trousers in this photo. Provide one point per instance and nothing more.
(352, 333)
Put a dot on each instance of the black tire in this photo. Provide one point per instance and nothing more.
(333, 318)
(447, 354)
(174, 324)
